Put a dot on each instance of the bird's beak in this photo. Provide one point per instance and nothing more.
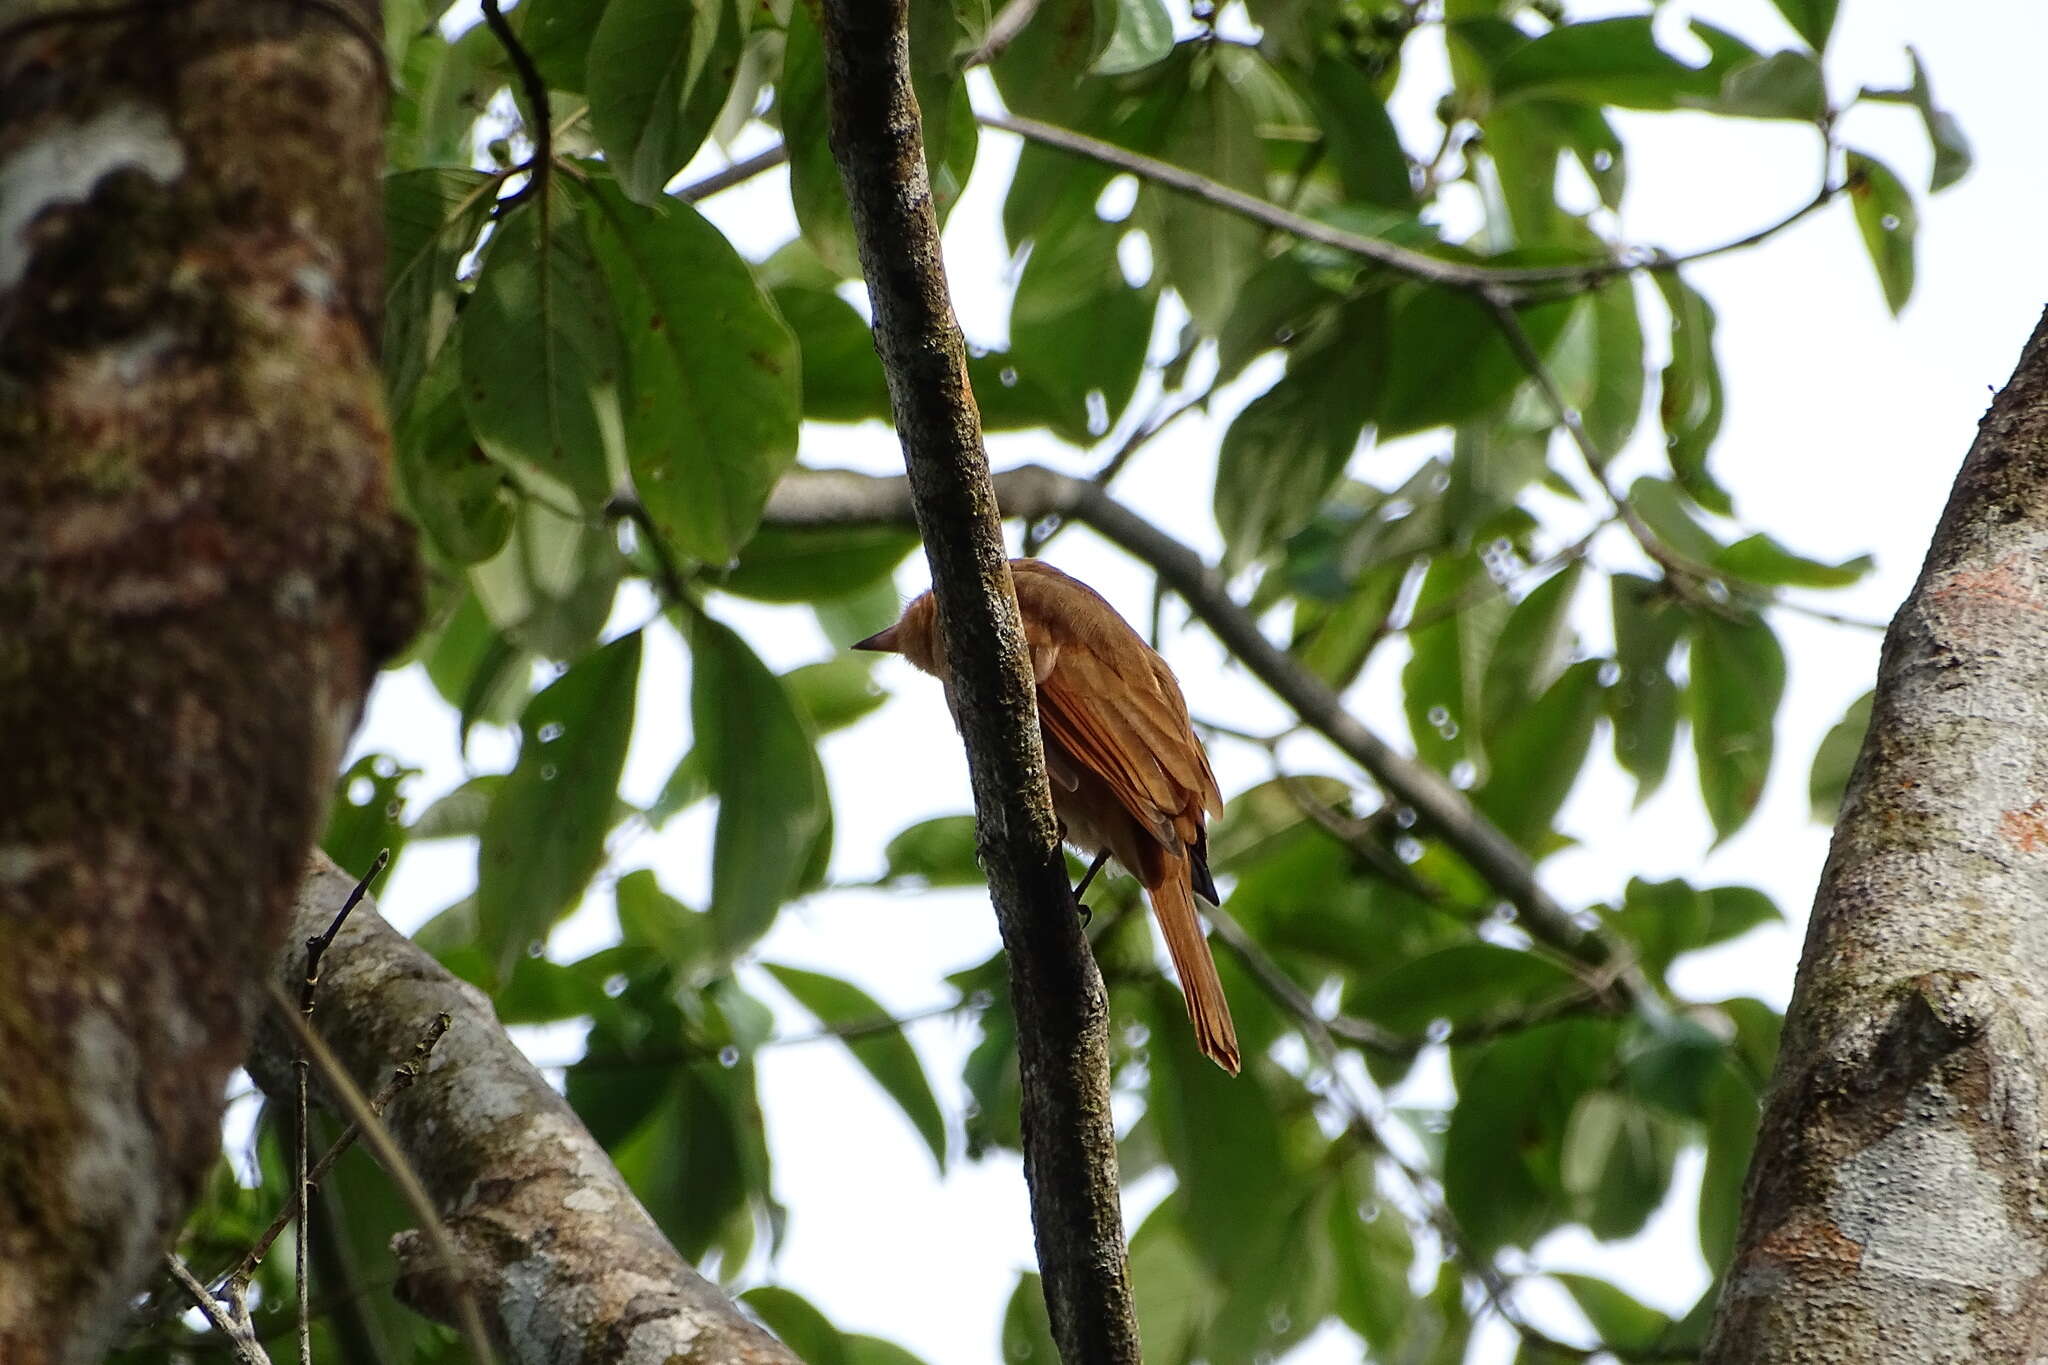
(882, 641)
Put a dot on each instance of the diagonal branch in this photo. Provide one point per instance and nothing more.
(839, 498)
(1516, 283)
(1062, 1008)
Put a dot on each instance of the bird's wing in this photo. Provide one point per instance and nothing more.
(1104, 706)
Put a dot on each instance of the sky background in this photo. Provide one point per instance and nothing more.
(1843, 433)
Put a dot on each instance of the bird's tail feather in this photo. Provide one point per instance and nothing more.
(1173, 902)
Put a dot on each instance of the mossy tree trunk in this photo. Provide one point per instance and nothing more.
(200, 570)
(1897, 1207)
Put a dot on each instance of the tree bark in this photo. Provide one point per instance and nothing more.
(1061, 1006)
(1897, 1208)
(200, 571)
(565, 1263)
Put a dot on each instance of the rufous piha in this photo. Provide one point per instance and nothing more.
(1129, 777)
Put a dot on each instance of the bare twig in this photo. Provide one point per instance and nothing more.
(536, 91)
(469, 1321)
(401, 1077)
(1002, 31)
(738, 173)
(231, 1322)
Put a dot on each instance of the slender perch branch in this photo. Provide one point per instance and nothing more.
(1062, 1009)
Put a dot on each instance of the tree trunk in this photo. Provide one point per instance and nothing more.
(199, 573)
(1897, 1208)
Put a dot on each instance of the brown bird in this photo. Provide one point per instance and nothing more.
(1129, 777)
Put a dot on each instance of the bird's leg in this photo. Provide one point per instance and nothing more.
(1086, 877)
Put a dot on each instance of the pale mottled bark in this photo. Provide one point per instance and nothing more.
(199, 572)
(567, 1267)
(1897, 1209)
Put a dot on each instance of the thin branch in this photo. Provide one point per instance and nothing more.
(1518, 283)
(1293, 999)
(234, 1328)
(342, 1087)
(536, 90)
(1002, 31)
(1062, 1007)
(401, 1077)
(738, 173)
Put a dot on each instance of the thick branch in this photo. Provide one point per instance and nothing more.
(1894, 1209)
(200, 570)
(563, 1260)
(1062, 1009)
(838, 498)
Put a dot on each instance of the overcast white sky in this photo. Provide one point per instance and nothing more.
(1844, 431)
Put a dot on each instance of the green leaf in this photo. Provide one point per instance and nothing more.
(1658, 503)
(544, 836)
(951, 137)
(1442, 685)
(550, 589)
(1504, 1149)
(687, 1159)
(543, 992)
(1077, 331)
(1888, 221)
(557, 35)
(1222, 1134)
(1760, 559)
(461, 813)
(1598, 362)
(1207, 254)
(713, 410)
(1446, 362)
(1670, 1061)
(787, 564)
(659, 70)
(651, 918)
(431, 220)
(1358, 134)
(1783, 85)
(801, 106)
(1173, 1293)
(773, 808)
(1689, 397)
(935, 852)
(1622, 1323)
(842, 375)
(1143, 35)
(1731, 1139)
(1811, 19)
(1835, 759)
(459, 497)
(866, 1350)
(541, 354)
(1536, 759)
(1534, 646)
(368, 813)
(1027, 1331)
(1287, 447)
(1041, 73)
(1738, 677)
(477, 670)
(1465, 984)
(1618, 1159)
(834, 693)
(806, 1331)
(440, 89)
(886, 1054)
(1607, 61)
(1952, 157)
(1643, 703)
(1373, 1254)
